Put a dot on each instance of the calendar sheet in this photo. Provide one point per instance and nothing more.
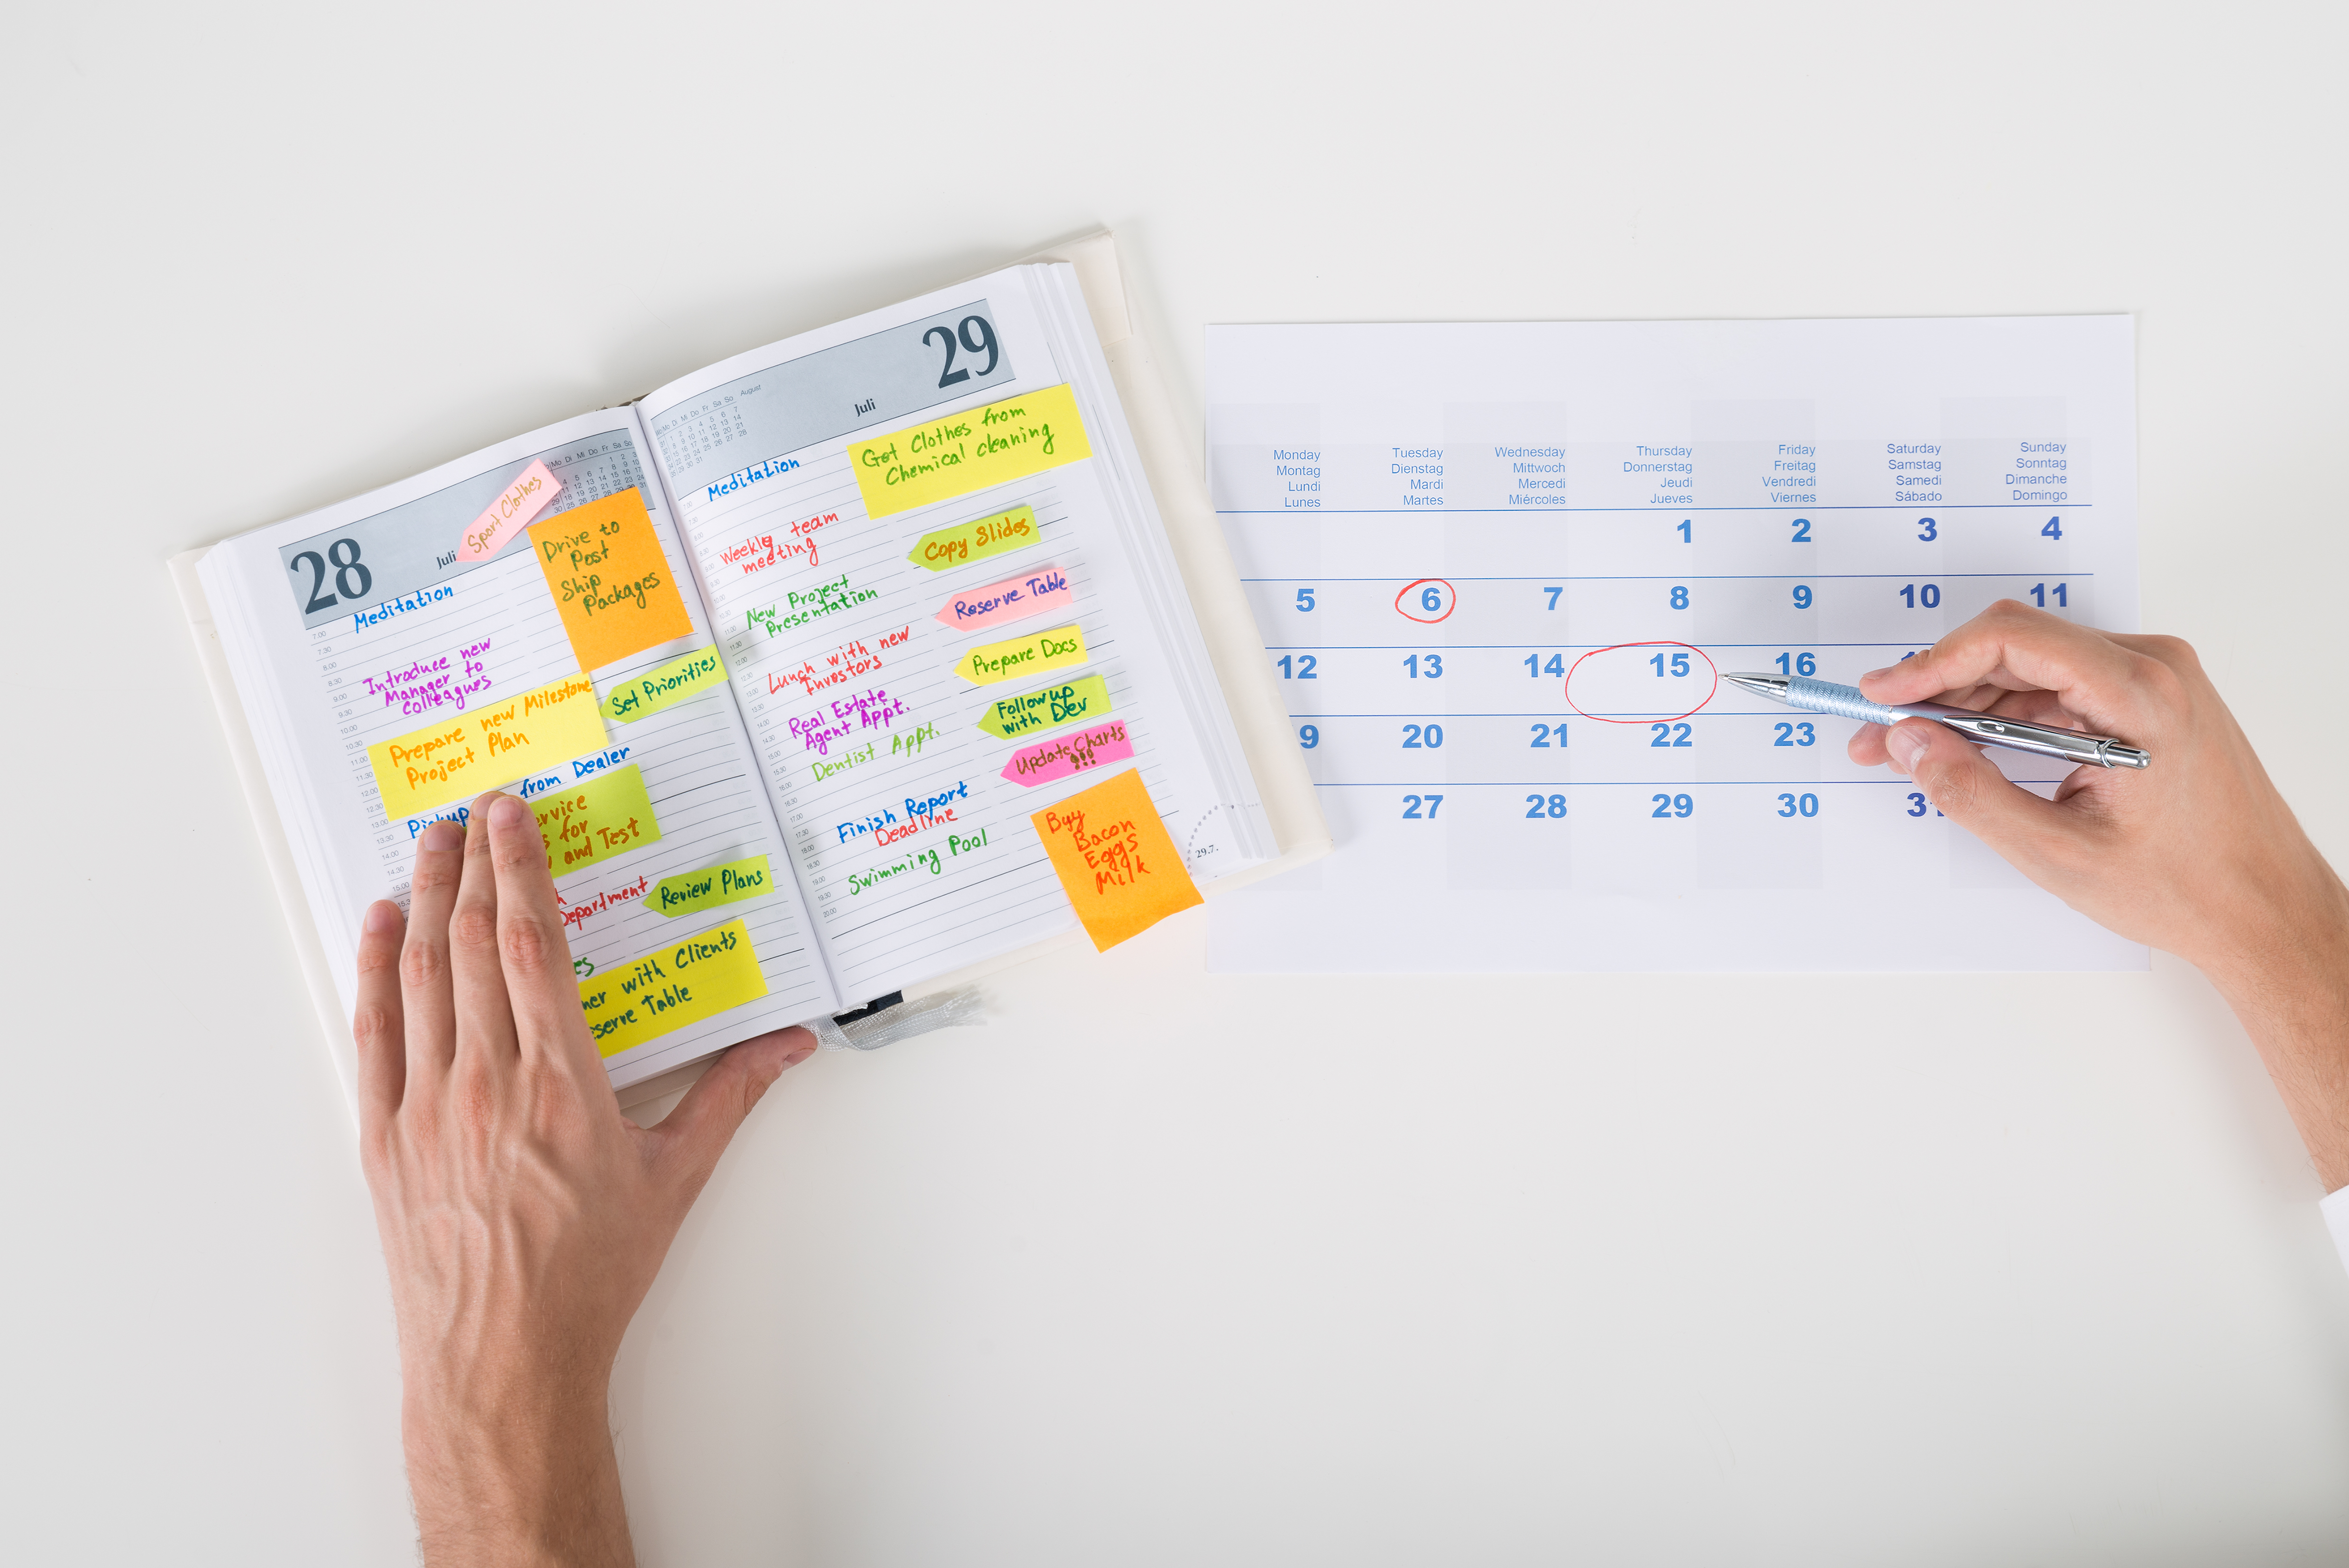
(1499, 570)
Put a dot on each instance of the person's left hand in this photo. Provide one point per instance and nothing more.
(522, 1216)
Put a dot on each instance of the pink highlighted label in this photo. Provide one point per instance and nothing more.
(509, 514)
(1013, 599)
(1068, 754)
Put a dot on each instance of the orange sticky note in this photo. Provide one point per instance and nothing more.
(615, 588)
(1115, 860)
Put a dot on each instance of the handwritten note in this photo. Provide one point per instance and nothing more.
(997, 533)
(694, 978)
(1044, 590)
(604, 565)
(596, 821)
(503, 521)
(690, 892)
(480, 750)
(1072, 753)
(1018, 656)
(968, 451)
(1114, 859)
(1087, 696)
(678, 681)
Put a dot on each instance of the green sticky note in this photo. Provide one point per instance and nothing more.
(1087, 696)
(675, 681)
(706, 889)
(997, 533)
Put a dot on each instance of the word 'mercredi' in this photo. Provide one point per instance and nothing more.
(474, 751)
(693, 978)
(967, 452)
(504, 518)
(1018, 656)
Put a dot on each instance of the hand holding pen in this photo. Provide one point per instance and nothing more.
(2197, 854)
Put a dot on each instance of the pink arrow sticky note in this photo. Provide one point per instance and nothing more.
(523, 500)
(1071, 753)
(1013, 599)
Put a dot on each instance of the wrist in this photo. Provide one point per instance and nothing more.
(513, 1481)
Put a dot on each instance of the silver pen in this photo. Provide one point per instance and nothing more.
(1985, 729)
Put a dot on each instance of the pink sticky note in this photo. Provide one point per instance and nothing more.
(1013, 599)
(523, 500)
(1071, 753)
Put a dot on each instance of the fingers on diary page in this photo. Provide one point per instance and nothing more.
(790, 660)
(1499, 570)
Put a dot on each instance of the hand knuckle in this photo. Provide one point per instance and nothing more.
(525, 945)
(422, 963)
(476, 926)
(373, 1027)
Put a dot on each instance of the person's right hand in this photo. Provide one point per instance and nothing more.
(2197, 854)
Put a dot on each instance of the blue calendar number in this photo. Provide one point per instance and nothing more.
(1927, 595)
(1688, 534)
(1802, 595)
(1669, 805)
(2055, 529)
(1679, 598)
(1927, 530)
(1553, 594)
(1680, 665)
(1543, 736)
(1541, 806)
(1802, 530)
(1308, 736)
(1305, 598)
(1536, 668)
(1411, 804)
(1797, 665)
(1421, 737)
(1806, 805)
(1788, 733)
(1428, 665)
(1917, 804)
(1673, 735)
(2062, 595)
(1304, 671)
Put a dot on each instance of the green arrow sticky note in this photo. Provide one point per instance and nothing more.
(997, 533)
(675, 681)
(730, 884)
(1087, 696)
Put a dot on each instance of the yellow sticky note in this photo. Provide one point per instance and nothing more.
(1115, 860)
(1015, 657)
(487, 746)
(604, 565)
(730, 884)
(593, 822)
(679, 679)
(693, 978)
(968, 451)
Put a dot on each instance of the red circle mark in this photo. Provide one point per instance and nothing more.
(1662, 643)
(1422, 582)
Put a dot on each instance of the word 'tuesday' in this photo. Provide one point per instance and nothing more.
(970, 450)
(614, 587)
(470, 752)
(693, 978)
(1114, 859)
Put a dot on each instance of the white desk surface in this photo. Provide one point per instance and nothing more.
(1582, 1269)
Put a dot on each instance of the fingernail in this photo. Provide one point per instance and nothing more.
(799, 1055)
(382, 918)
(443, 834)
(1906, 746)
(506, 811)
(1873, 674)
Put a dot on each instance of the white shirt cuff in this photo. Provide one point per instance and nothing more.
(2336, 1220)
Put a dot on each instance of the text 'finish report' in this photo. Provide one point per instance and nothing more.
(1499, 568)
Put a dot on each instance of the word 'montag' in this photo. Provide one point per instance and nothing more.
(968, 451)
(1114, 859)
(486, 746)
(1017, 656)
(997, 533)
(502, 523)
(612, 583)
(692, 978)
